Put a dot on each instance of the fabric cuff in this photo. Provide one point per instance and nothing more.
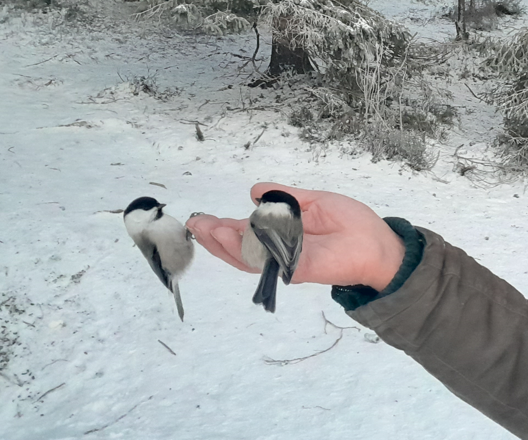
(352, 297)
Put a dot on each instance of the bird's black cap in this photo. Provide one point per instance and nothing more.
(276, 196)
(144, 203)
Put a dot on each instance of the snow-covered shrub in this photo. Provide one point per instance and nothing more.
(208, 16)
(29, 5)
(368, 70)
(363, 61)
(385, 142)
(301, 117)
(483, 15)
(511, 98)
(68, 10)
(186, 16)
(341, 39)
(222, 23)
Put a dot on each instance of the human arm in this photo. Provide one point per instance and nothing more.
(465, 326)
(462, 323)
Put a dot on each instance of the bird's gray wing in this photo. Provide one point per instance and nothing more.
(157, 267)
(286, 252)
(152, 253)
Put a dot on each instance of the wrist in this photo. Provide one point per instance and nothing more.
(411, 242)
(414, 243)
(388, 262)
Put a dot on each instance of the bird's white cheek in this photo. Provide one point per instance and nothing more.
(136, 222)
(134, 229)
(253, 251)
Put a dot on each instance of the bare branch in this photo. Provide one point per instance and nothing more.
(284, 362)
(327, 322)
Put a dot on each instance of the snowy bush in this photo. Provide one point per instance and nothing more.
(370, 75)
(340, 38)
(483, 15)
(222, 23)
(208, 16)
(511, 98)
(363, 62)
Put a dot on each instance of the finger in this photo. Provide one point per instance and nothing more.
(204, 228)
(315, 220)
(231, 242)
(304, 196)
(201, 223)
(204, 224)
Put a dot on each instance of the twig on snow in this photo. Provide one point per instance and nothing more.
(111, 211)
(473, 93)
(257, 48)
(116, 420)
(207, 101)
(327, 322)
(186, 121)
(14, 381)
(199, 134)
(167, 347)
(6, 301)
(259, 136)
(158, 184)
(316, 406)
(49, 391)
(297, 360)
(42, 62)
(51, 363)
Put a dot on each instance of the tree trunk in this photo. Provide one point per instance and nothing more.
(460, 24)
(285, 59)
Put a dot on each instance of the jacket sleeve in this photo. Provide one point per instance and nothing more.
(464, 325)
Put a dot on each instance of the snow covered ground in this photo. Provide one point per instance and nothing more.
(92, 322)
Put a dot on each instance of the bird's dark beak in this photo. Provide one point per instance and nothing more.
(161, 206)
(259, 199)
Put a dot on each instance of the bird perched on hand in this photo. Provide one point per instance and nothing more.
(272, 242)
(163, 240)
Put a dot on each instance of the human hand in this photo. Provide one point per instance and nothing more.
(344, 243)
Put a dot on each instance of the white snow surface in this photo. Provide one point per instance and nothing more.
(89, 362)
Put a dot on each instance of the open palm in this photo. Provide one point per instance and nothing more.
(345, 242)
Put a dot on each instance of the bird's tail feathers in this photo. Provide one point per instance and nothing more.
(266, 292)
(177, 297)
(287, 275)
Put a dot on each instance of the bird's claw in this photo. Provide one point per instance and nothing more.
(189, 233)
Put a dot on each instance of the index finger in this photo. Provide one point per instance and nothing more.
(303, 196)
(316, 206)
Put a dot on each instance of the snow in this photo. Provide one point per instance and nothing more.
(78, 141)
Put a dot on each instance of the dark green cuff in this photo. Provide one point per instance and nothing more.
(352, 297)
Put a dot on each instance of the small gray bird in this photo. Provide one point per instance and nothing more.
(163, 240)
(272, 242)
